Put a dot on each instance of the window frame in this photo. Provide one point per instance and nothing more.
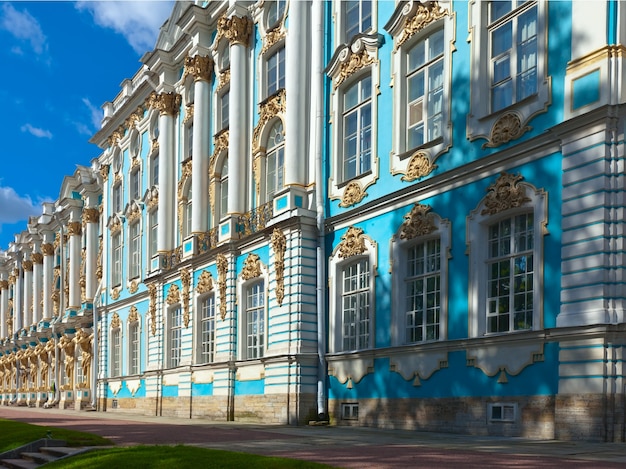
(134, 250)
(337, 263)
(134, 347)
(204, 357)
(275, 151)
(441, 231)
(342, 24)
(273, 84)
(478, 223)
(116, 352)
(135, 184)
(364, 102)
(481, 119)
(174, 330)
(259, 351)
(116, 258)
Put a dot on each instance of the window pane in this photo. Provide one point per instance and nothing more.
(499, 8)
(501, 39)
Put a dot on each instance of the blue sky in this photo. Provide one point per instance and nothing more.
(60, 61)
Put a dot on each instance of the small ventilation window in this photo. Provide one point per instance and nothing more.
(349, 411)
(502, 412)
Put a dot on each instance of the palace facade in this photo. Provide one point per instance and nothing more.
(394, 214)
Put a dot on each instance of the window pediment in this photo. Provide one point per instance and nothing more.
(350, 58)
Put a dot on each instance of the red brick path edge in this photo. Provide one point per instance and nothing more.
(336, 446)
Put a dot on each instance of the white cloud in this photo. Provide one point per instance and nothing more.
(95, 113)
(23, 26)
(37, 132)
(15, 208)
(137, 21)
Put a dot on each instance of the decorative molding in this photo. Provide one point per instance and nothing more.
(205, 283)
(74, 228)
(47, 249)
(419, 16)
(115, 293)
(133, 314)
(115, 321)
(166, 103)
(222, 271)
(173, 295)
(199, 67)
(352, 194)
(271, 108)
(37, 258)
(224, 79)
(505, 194)
(186, 173)
(349, 59)
(134, 214)
(188, 114)
(185, 278)
(237, 30)
(91, 215)
(133, 287)
(279, 245)
(27, 266)
(99, 270)
(272, 37)
(419, 166)
(4, 284)
(152, 292)
(104, 171)
(115, 226)
(251, 267)
(418, 222)
(352, 243)
(134, 118)
(506, 128)
(220, 144)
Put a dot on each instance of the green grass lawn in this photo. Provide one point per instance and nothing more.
(16, 434)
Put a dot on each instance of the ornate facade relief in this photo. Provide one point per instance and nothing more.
(222, 271)
(205, 283)
(173, 295)
(352, 194)
(506, 128)
(279, 245)
(199, 67)
(166, 103)
(413, 17)
(185, 278)
(251, 267)
(419, 166)
(152, 293)
(504, 194)
(418, 222)
(351, 58)
(274, 106)
(237, 30)
(352, 243)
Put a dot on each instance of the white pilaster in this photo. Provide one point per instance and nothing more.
(4, 304)
(37, 259)
(48, 274)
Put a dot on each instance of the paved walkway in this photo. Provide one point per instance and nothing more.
(337, 446)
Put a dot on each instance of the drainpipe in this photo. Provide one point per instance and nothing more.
(317, 84)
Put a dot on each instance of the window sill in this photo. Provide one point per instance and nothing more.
(343, 184)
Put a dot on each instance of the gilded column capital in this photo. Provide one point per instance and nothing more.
(236, 29)
(37, 258)
(4, 284)
(91, 215)
(27, 265)
(104, 171)
(166, 103)
(74, 228)
(199, 67)
(47, 249)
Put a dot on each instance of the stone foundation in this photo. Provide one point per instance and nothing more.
(592, 417)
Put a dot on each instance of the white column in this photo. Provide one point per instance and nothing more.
(37, 259)
(297, 50)
(17, 300)
(168, 105)
(240, 31)
(200, 67)
(74, 231)
(48, 274)
(27, 266)
(91, 216)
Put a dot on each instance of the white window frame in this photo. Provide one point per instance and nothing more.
(337, 265)
(154, 169)
(278, 81)
(478, 224)
(243, 287)
(174, 349)
(135, 184)
(259, 348)
(153, 235)
(116, 258)
(118, 197)
(273, 152)
(223, 119)
(116, 352)
(340, 14)
(399, 248)
(222, 190)
(134, 347)
(134, 254)
(207, 303)
(402, 152)
(269, 21)
(481, 119)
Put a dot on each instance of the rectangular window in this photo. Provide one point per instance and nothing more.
(276, 71)
(207, 328)
(116, 353)
(357, 17)
(135, 250)
(134, 349)
(425, 90)
(175, 336)
(224, 112)
(116, 248)
(154, 170)
(502, 412)
(154, 225)
(135, 185)
(510, 275)
(357, 129)
(423, 290)
(356, 306)
(255, 321)
(190, 141)
(513, 53)
(117, 198)
(224, 191)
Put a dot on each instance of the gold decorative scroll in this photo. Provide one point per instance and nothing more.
(27, 266)
(418, 167)
(220, 144)
(134, 214)
(152, 291)
(133, 314)
(272, 37)
(236, 29)
(504, 194)
(185, 278)
(425, 14)
(133, 287)
(418, 222)
(173, 295)
(270, 109)
(188, 114)
(279, 245)
(508, 127)
(352, 194)
(199, 67)
(352, 243)
(47, 249)
(205, 282)
(115, 321)
(222, 270)
(357, 61)
(251, 267)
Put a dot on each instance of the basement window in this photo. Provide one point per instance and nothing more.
(502, 412)
(349, 411)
